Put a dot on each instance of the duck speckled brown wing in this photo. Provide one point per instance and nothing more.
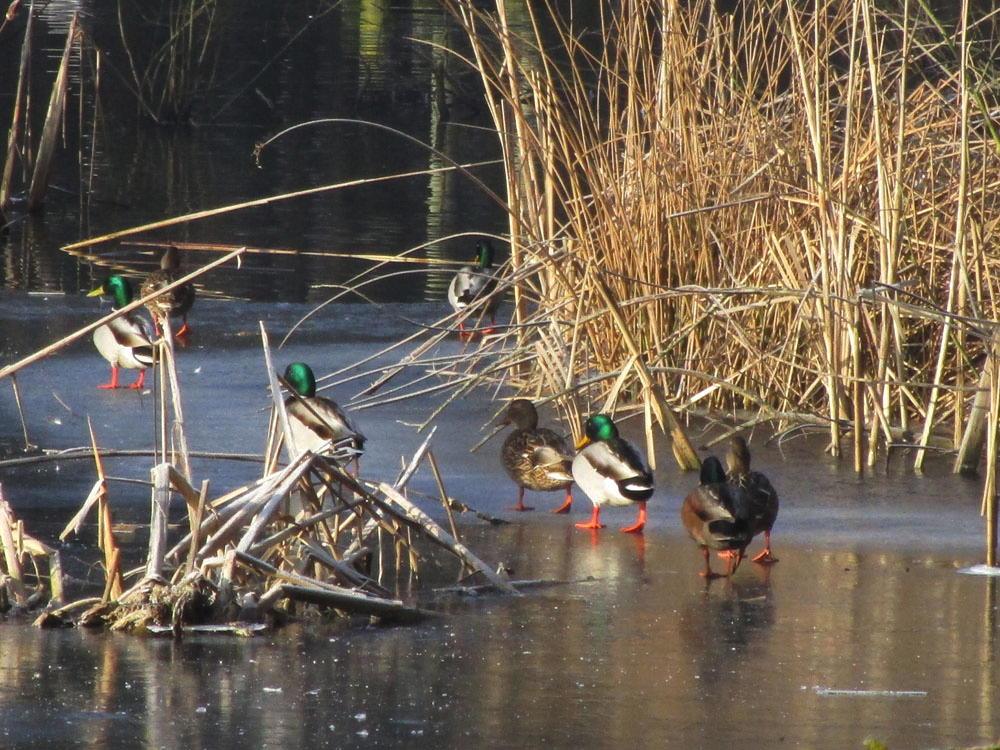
(537, 459)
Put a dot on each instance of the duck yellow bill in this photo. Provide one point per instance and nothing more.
(582, 442)
(96, 292)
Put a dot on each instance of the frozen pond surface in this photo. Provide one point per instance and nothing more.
(866, 597)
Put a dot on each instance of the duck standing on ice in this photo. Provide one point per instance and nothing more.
(611, 472)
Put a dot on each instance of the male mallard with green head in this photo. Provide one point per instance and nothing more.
(125, 341)
(716, 514)
(536, 458)
(762, 497)
(315, 419)
(175, 303)
(471, 283)
(611, 472)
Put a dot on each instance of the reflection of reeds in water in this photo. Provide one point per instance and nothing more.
(734, 180)
(172, 53)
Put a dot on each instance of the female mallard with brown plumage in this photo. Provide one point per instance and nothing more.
(761, 495)
(716, 514)
(536, 458)
(175, 303)
(611, 472)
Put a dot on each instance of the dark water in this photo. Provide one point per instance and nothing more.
(355, 62)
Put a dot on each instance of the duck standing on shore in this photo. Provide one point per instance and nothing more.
(472, 283)
(761, 495)
(125, 341)
(716, 514)
(611, 472)
(536, 458)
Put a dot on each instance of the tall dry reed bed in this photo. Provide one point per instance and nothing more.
(792, 205)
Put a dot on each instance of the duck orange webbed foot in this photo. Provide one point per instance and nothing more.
(521, 507)
(594, 522)
(111, 384)
(765, 558)
(565, 507)
(640, 522)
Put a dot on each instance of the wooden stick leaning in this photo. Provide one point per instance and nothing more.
(425, 523)
(135, 304)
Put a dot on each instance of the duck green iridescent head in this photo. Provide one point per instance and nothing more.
(300, 376)
(117, 288)
(598, 428)
(484, 253)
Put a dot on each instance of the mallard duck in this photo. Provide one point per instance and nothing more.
(471, 283)
(535, 458)
(762, 496)
(125, 341)
(611, 472)
(175, 303)
(716, 515)
(315, 419)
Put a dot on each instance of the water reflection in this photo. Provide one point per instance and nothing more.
(644, 655)
(358, 61)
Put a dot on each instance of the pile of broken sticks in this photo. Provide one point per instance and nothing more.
(305, 534)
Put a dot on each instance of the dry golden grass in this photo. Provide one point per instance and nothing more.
(793, 209)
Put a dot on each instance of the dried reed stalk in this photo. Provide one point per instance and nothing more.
(53, 123)
(867, 185)
(15, 134)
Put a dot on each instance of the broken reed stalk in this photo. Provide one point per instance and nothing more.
(106, 541)
(20, 412)
(15, 544)
(159, 515)
(10, 554)
(17, 128)
(135, 304)
(208, 213)
(76, 454)
(992, 457)
(422, 521)
(443, 494)
(291, 449)
(219, 247)
(970, 449)
(53, 123)
(178, 437)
